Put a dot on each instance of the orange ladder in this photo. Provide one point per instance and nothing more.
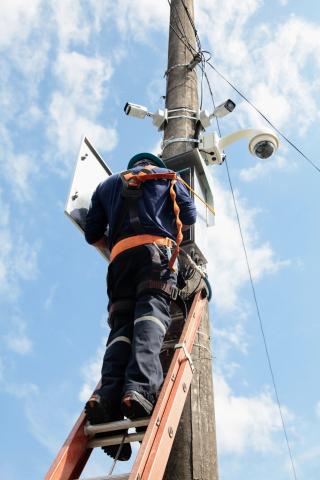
(157, 440)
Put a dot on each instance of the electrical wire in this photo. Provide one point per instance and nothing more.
(260, 321)
(241, 232)
(192, 25)
(203, 64)
(314, 165)
(211, 210)
(181, 28)
(182, 40)
(181, 34)
(207, 61)
(256, 299)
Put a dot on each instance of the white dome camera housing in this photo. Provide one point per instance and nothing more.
(263, 145)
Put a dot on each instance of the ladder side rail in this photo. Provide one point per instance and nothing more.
(162, 445)
(74, 453)
(72, 456)
(161, 448)
(187, 337)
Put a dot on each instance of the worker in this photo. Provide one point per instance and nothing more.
(142, 224)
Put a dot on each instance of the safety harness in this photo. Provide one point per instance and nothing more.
(131, 193)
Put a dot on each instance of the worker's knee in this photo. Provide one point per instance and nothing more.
(154, 305)
(120, 312)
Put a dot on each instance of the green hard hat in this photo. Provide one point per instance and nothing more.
(146, 156)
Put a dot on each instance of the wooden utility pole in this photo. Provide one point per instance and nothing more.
(194, 453)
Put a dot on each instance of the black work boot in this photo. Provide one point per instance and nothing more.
(134, 405)
(98, 411)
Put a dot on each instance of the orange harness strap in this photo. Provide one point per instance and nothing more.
(135, 180)
(136, 241)
(179, 237)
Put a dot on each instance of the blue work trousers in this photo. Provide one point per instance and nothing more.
(139, 319)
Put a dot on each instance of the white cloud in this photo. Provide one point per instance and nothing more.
(17, 339)
(25, 261)
(245, 423)
(47, 423)
(133, 18)
(227, 267)
(137, 17)
(84, 79)
(67, 126)
(24, 56)
(17, 20)
(265, 168)
(234, 337)
(21, 390)
(318, 409)
(312, 453)
(74, 108)
(70, 22)
(18, 259)
(50, 297)
(276, 66)
(19, 169)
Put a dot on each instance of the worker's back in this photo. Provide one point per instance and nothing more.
(154, 208)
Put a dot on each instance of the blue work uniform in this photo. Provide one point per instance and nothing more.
(138, 308)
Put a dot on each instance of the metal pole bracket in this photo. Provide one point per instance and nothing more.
(187, 354)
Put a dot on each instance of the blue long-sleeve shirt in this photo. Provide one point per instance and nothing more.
(155, 209)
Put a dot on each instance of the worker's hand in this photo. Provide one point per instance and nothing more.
(101, 244)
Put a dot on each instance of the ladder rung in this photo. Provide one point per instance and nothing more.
(115, 440)
(123, 476)
(113, 426)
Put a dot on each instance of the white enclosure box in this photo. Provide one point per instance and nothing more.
(192, 168)
(90, 170)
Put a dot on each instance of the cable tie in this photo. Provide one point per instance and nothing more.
(166, 73)
(182, 116)
(186, 109)
(165, 143)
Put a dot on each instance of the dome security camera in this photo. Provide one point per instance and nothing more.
(263, 145)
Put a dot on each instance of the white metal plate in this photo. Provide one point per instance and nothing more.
(90, 170)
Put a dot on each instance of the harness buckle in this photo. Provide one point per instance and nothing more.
(174, 292)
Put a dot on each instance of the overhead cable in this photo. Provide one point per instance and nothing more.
(313, 164)
(265, 118)
(207, 61)
(181, 34)
(255, 298)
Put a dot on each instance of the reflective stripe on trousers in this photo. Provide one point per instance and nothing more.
(151, 319)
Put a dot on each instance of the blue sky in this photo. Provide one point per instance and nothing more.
(66, 69)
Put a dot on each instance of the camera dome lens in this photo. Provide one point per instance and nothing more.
(264, 149)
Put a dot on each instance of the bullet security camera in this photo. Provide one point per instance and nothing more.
(220, 111)
(135, 110)
(224, 109)
(263, 145)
